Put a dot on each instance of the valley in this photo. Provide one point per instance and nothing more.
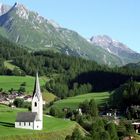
(84, 89)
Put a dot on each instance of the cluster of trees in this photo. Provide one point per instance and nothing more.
(104, 131)
(126, 95)
(9, 51)
(87, 107)
(127, 99)
(62, 89)
(20, 103)
(133, 112)
(99, 128)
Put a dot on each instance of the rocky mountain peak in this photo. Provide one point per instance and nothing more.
(109, 44)
(101, 40)
(22, 11)
(4, 8)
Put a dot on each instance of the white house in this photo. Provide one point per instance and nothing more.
(32, 120)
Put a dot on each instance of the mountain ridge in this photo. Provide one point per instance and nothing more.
(115, 47)
(29, 29)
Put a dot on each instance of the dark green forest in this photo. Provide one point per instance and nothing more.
(69, 76)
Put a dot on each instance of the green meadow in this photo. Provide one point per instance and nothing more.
(73, 102)
(8, 82)
(14, 82)
(53, 127)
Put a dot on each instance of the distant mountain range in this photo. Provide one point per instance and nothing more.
(117, 48)
(28, 28)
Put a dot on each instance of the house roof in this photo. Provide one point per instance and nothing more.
(26, 116)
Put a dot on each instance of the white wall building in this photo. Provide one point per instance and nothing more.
(32, 120)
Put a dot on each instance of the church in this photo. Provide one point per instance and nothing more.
(34, 119)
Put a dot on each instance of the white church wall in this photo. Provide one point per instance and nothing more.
(24, 125)
(37, 106)
(38, 125)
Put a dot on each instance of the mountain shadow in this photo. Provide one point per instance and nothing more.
(103, 81)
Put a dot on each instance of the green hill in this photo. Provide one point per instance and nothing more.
(8, 82)
(54, 128)
(73, 102)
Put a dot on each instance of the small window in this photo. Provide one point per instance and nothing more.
(19, 123)
(35, 103)
(29, 124)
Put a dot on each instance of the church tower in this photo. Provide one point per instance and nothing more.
(32, 120)
(37, 102)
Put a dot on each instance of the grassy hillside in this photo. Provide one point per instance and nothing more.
(54, 128)
(8, 82)
(73, 102)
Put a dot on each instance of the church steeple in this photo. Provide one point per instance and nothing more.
(37, 91)
(37, 102)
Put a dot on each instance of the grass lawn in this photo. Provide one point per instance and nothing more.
(53, 127)
(73, 102)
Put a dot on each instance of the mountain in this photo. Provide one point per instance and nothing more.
(29, 29)
(117, 48)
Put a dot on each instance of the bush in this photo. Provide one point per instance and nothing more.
(54, 111)
(18, 102)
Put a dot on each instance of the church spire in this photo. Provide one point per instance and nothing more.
(37, 101)
(37, 91)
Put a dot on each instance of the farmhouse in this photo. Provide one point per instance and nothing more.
(32, 120)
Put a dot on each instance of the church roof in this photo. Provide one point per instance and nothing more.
(37, 91)
(26, 116)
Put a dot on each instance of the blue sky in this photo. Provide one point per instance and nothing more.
(120, 19)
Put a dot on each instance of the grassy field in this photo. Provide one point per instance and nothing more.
(73, 102)
(8, 82)
(53, 127)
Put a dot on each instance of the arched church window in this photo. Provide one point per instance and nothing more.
(35, 103)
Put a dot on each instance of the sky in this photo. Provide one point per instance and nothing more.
(119, 19)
